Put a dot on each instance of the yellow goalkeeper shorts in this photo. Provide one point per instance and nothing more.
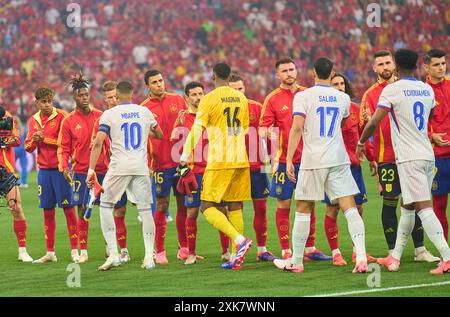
(226, 185)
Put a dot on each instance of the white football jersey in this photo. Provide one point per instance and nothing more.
(323, 108)
(128, 126)
(409, 102)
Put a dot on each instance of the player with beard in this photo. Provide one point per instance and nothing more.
(383, 160)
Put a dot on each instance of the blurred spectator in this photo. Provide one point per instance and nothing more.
(184, 38)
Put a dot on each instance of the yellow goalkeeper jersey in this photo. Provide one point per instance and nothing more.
(224, 114)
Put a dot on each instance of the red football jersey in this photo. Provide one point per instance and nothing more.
(277, 113)
(252, 139)
(440, 122)
(382, 146)
(199, 157)
(74, 142)
(47, 157)
(166, 111)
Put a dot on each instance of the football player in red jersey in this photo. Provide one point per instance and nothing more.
(165, 107)
(439, 126)
(43, 131)
(383, 159)
(276, 116)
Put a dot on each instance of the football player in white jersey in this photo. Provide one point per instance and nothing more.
(128, 126)
(319, 113)
(410, 104)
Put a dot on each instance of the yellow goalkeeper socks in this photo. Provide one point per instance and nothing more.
(236, 219)
(220, 222)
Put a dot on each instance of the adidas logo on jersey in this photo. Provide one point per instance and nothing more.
(78, 127)
(284, 108)
(65, 202)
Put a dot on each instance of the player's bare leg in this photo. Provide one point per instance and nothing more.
(356, 230)
(20, 225)
(162, 205)
(121, 233)
(183, 251)
(300, 233)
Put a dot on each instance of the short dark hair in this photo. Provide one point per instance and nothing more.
(323, 67)
(348, 86)
(222, 70)
(283, 60)
(44, 92)
(109, 85)
(381, 53)
(235, 77)
(151, 73)
(192, 85)
(406, 59)
(124, 88)
(434, 53)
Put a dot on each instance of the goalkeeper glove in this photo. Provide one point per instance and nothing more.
(187, 185)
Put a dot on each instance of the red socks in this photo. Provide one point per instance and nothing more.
(83, 230)
(20, 229)
(311, 242)
(49, 228)
(331, 230)
(283, 226)
(191, 234)
(440, 207)
(224, 242)
(260, 222)
(121, 231)
(181, 226)
(72, 228)
(160, 230)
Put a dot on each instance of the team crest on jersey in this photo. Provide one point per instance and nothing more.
(76, 196)
(158, 189)
(190, 199)
(278, 190)
(173, 108)
(52, 123)
(252, 117)
(353, 116)
(434, 185)
(388, 188)
(36, 127)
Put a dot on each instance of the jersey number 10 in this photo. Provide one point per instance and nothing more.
(133, 135)
(323, 113)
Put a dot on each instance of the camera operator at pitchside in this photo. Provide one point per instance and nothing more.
(9, 138)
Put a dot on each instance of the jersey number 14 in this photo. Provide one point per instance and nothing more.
(132, 135)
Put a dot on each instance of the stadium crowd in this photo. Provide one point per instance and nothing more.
(119, 39)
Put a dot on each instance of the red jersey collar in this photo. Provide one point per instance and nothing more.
(437, 84)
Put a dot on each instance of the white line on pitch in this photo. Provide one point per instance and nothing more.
(387, 289)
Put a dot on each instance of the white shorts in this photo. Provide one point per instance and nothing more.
(416, 178)
(336, 182)
(137, 187)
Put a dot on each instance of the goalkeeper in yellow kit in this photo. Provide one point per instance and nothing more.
(224, 114)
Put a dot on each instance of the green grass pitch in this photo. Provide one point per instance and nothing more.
(205, 278)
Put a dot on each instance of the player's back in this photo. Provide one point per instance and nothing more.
(129, 127)
(224, 113)
(323, 108)
(410, 102)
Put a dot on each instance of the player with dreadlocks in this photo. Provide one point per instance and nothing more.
(74, 143)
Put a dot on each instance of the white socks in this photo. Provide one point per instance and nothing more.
(356, 230)
(300, 234)
(148, 231)
(109, 228)
(405, 227)
(433, 228)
